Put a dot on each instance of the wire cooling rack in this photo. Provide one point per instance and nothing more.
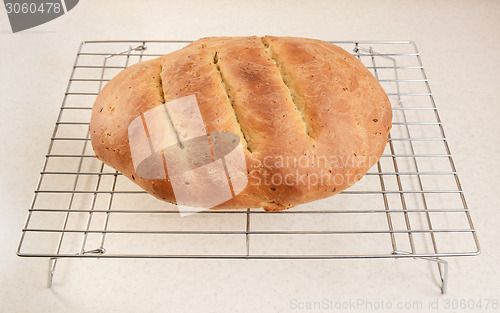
(410, 204)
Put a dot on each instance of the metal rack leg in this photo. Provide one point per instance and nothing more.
(52, 268)
(443, 273)
(442, 269)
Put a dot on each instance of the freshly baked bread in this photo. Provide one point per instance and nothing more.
(311, 118)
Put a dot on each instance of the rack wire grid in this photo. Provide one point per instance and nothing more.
(409, 205)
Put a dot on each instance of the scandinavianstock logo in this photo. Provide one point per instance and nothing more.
(25, 14)
(171, 141)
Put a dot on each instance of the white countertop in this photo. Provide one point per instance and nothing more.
(459, 43)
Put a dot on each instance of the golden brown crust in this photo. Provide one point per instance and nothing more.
(303, 109)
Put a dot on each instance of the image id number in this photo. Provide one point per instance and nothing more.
(27, 8)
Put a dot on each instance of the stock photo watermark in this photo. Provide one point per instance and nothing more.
(26, 14)
(384, 305)
(205, 169)
(308, 170)
(171, 141)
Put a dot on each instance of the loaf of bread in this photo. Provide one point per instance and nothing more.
(310, 118)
